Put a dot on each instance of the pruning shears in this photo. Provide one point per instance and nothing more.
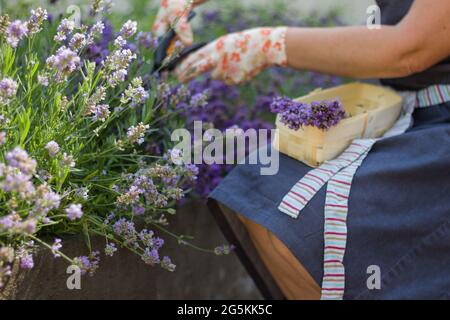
(166, 47)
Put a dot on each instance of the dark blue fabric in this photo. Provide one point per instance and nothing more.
(399, 212)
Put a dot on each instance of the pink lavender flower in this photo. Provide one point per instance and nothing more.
(16, 181)
(46, 200)
(135, 92)
(68, 160)
(117, 64)
(19, 158)
(167, 264)
(97, 28)
(16, 31)
(43, 79)
(7, 222)
(120, 42)
(52, 148)
(56, 246)
(77, 42)
(8, 89)
(117, 77)
(74, 212)
(64, 29)
(110, 249)
(128, 29)
(64, 62)
(136, 134)
(101, 112)
(36, 20)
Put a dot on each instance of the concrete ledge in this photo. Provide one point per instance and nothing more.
(124, 276)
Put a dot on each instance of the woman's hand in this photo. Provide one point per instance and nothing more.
(175, 13)
(237, 57)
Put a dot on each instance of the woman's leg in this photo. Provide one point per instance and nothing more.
(292, 278)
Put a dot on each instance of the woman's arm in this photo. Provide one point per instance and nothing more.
(419, 41)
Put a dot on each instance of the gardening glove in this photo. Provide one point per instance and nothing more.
(174, 13)
(237, 57)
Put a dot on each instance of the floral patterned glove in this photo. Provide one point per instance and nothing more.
(174, 13)
(237, 57)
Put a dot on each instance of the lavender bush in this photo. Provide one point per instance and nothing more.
(76, 139)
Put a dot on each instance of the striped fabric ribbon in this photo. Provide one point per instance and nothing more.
(335, 230)
(433, 96)
(338, 175)
(305, 189)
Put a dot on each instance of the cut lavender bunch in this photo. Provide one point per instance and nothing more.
(320, 114)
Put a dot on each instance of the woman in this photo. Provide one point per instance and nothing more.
(399, 205)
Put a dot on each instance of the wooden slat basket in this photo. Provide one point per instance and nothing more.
(372, 111)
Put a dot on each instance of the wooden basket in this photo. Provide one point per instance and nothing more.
(372, 111)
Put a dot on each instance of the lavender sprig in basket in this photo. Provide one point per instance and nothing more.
(319, 126)
(321, 114)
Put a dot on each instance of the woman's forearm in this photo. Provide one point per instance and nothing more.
(419, 41)
(351, 51)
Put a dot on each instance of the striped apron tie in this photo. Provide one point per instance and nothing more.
(335, 229)
(337, 174)
(304, 190)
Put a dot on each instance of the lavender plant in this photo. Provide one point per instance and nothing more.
(74, 145)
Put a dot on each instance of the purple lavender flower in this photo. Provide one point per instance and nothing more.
(46, 200)
(88, 264)
(326, 114)
(64, 29)
(110, 249)
(147, 40)
(52, 148)
(224, 249)
(36, 20)
(126, 230)
(74, 212)
(138, 210)
(150, 256)
(64, 62)
(128, 29)
(167, 264)
(8, 89)
(19, 158)
(320, 114)
(56, 246)
(16, 31)
(27, 262)
(78, 41)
